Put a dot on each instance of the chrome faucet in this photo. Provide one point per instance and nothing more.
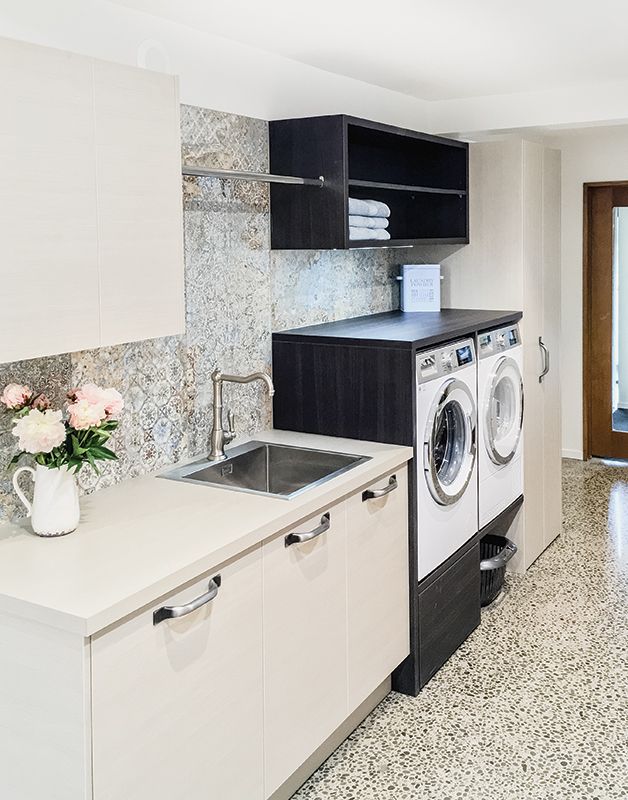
(219, 437)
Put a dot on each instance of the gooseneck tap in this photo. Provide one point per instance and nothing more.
(219, 437)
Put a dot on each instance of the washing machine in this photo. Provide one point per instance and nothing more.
(500, 421)
(447, 474)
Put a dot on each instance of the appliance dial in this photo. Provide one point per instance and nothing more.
(501, 341)
(447, 360)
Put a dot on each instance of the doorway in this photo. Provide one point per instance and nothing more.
(605, 285)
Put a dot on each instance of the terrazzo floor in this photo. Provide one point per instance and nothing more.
(534, 706)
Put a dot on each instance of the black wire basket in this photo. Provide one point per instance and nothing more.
(495, 553)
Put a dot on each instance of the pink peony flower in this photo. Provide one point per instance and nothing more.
(15, 396)
(40, 431)
(41, 402)
(114, 402)
(110, 399)
(84, 414)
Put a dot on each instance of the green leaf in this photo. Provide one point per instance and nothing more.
(76, 447)
(103, 453)
(92, 462)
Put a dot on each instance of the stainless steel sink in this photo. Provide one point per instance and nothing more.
(272, 469)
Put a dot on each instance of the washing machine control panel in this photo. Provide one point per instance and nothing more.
(445, 360)
(497, 341)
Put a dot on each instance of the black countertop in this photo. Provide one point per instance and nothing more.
(403, 330)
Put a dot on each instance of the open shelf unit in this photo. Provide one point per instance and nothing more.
(422, 178)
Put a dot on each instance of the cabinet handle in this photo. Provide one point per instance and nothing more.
(173, 612)
(546, 359)
(372, 494)
(298, 538)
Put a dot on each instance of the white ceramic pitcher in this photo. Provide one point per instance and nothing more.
(55, 508)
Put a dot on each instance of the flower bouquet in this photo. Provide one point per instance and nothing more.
(60, 441)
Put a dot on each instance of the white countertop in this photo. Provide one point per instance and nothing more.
(145, 537)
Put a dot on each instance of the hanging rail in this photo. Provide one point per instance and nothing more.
(244, 175)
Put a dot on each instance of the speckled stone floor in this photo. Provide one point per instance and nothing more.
(534, 706)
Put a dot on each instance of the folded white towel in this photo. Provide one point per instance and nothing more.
(368, 208)
(368, 233)
(357, 221)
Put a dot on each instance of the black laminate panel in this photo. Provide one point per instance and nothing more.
(308, 217)
(352, 392)
(404, 330)
(448, 611)
(500, 526)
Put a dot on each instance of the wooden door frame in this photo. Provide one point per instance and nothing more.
(586, 310)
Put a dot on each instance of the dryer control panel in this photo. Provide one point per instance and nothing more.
(444, 360)
(501, 339)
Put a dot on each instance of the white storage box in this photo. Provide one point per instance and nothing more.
(420, 287)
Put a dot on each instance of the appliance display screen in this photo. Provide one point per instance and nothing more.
(512, 336)
(485, 341)
(464, 355)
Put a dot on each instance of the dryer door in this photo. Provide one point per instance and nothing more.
(449, 449)
(503, 411)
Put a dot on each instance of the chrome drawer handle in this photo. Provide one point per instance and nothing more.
(298, 538)
(173, 612)
(372, 494)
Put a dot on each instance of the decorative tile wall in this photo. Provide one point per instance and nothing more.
(237, 292)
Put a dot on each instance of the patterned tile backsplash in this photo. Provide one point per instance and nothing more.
(237, 292)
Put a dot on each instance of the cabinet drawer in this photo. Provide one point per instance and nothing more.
(378, 583)
(305, 665)
(177, 705)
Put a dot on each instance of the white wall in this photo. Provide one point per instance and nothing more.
(592, 154)
(602, 103)
(215, 72)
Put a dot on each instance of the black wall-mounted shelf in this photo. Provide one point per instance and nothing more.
(423, 178)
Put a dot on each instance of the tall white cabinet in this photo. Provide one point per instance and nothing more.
(513, 262)
(91, 243)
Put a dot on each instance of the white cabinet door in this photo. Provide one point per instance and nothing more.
(48, 236)
(140, 228)
(532, 328)
(91, 242)
(552, 445)
(177, 706)
(305, 643)
(377, 584)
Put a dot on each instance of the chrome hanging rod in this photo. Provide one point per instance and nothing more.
(244, 175)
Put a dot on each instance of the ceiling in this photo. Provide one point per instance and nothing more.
(431, 50)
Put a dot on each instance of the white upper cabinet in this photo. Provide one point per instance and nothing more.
(48, 230)
(91, 248)
(138, 169)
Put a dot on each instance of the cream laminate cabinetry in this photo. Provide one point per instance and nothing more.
(140, 234)
(90, 203)
(305, 643)
(336, 620)
(48, 223)
(240, 696)
(378, 629)
(177, 706)
(513, 263)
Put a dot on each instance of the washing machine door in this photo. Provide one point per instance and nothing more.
(503, 411)
(450, 446)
